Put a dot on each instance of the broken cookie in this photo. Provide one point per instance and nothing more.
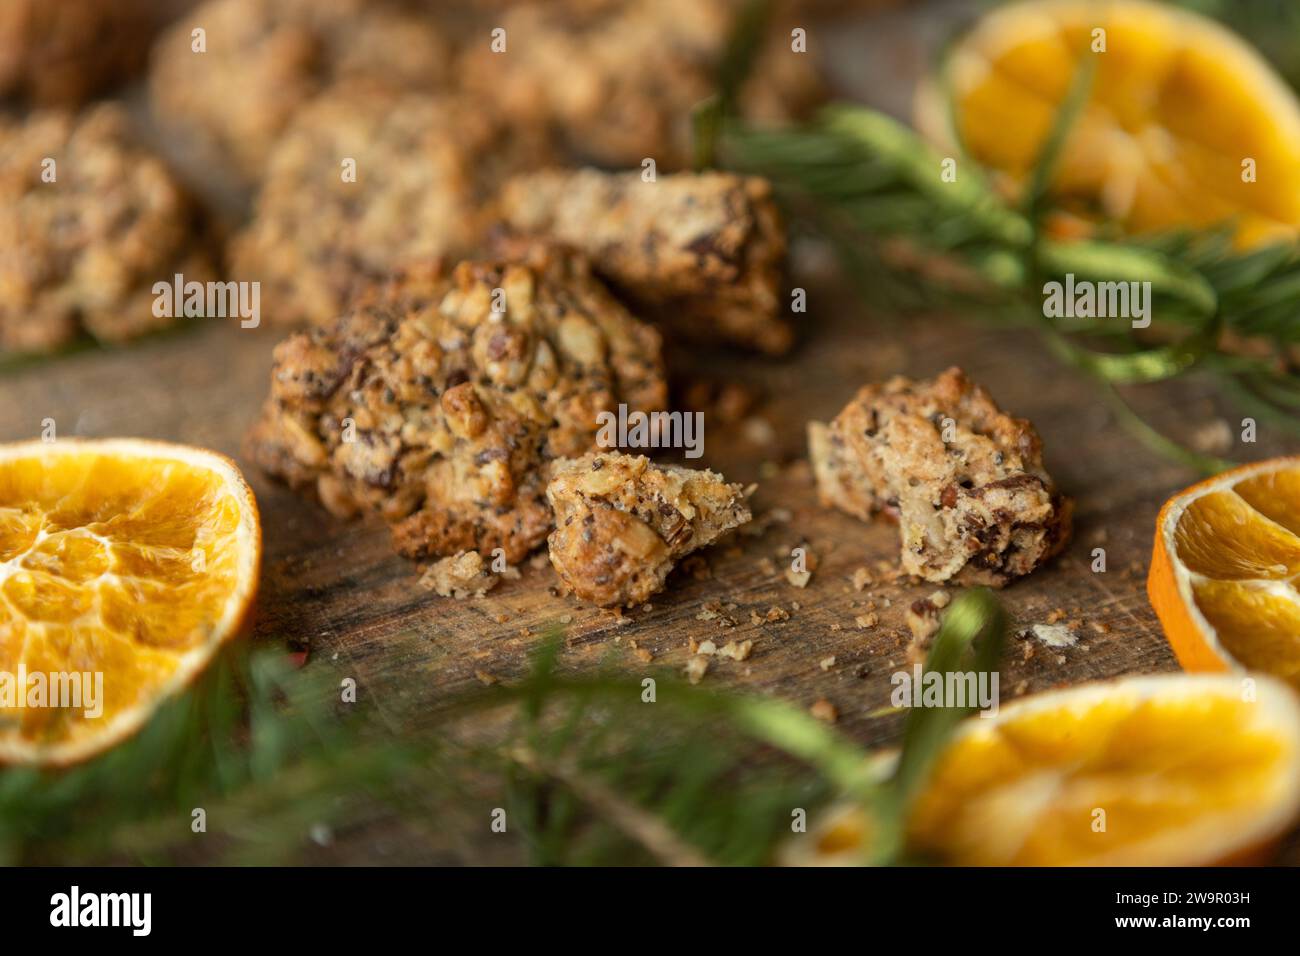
(965, 481)
(442, 399)
(621, 522)
(702, 253)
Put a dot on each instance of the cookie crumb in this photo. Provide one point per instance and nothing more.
(823, 709)
(460, 576)
(1054, 635)
(696, 668)
(737, 651)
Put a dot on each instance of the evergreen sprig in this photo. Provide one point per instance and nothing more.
(873, 187)
(587, 769)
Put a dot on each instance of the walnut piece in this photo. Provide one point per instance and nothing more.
(965, 481)
(621, 522)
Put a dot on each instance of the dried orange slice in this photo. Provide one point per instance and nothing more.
(1185, 124)
(124, 566)
(1224, 569)
(1168, 770)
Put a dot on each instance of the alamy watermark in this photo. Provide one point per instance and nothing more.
(1083, 299)
(213, 300)
(624, 429)
(61, 690)
(922, 688)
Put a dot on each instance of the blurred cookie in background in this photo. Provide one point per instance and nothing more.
(618, 80)
(64, 52)
(89, 222)
(366, 179)
(264, 59)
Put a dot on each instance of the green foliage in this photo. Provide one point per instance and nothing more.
(587, 770)
(873, 187)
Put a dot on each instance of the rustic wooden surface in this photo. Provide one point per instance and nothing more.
(338, 587)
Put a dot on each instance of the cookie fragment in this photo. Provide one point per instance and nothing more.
(81, 250)
(444, 416)
(622, 522)
(965, 481)
(702, 253)
(459, 576)
(265, 59)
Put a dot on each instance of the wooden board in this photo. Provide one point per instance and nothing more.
(338, 587)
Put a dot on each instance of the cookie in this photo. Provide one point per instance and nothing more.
(89, 221)
(423, 167)
(703, 253)
(265, 59)
(965, 480)
(622, 522)
(444, 416)
(618, 80)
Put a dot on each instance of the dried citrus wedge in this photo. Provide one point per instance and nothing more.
(1169, 770)
(1177, 107)
(124, 564)
(1224, 570)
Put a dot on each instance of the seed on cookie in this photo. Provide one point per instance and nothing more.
(965, 481)
(622, 522)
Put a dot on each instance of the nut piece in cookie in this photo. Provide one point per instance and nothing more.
(619, 79)
(443, 415)
(460, 575)
(702, 253)
(424, 165)
(81, 248)
(621, 522)
(265, 59)
(965, 481)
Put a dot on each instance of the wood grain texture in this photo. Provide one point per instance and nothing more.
(337, 586)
